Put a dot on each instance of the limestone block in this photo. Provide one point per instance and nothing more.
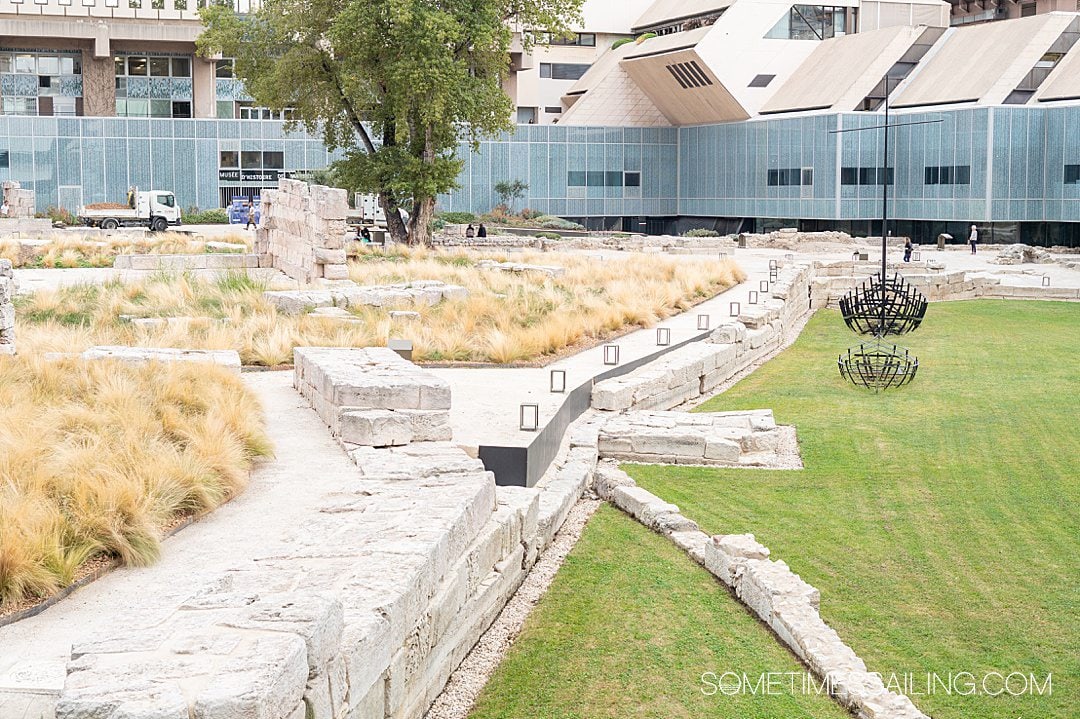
(454, 292)
(722, 450)
(641, 504)
(317, 619)
(335, 272)
(612, 395)
(223, 358)
(297, 302)
(764, 584)
(375, 428)
(7, 315)
(669, 443)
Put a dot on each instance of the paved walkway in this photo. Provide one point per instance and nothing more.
(34, 652)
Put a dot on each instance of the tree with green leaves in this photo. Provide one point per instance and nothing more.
(509, 191)
(395, 84)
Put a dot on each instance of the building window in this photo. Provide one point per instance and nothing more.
(54, 85)
(562, 70)
(1027, 9)
(152, 86)
(810, 22)
(582, 39)
(761, 80)
(553, 110)
(791, 177)
(224, 68)
(865, 176)
(596, 178)
(947, 175)
(245, 110)
(5, 160)
(1072, 174)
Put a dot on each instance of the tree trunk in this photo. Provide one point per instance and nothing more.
(420, 221)
(394, 224)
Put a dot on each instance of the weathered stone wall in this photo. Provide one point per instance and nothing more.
(833, 280)
(302, 230)
(778, 596)
(746, 438)
(365, 608)
(21, 203)
(418, 293)
(182, 263)
(693, 371)
(228, 359)
(7, 309)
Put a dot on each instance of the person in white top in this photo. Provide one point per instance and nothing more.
(5, 210)
(973, 238)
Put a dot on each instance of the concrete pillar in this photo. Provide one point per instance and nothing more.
(99, 85)
(204, 87)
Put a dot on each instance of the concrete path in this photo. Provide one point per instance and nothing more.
(34, 652)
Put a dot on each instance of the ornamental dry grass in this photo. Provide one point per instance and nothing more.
(81, 251)
(96, 458)
(507, 318)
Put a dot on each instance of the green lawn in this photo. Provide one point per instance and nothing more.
(940, 521)
(627, 629)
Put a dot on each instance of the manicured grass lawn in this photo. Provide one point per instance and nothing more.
(941, 521)
(627, 629)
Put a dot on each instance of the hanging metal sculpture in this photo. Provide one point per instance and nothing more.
(878, 365)
(883, 306)
(877, 308)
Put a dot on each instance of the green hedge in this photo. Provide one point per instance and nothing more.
(457, 218)
(204, 217)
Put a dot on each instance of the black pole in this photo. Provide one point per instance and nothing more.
(884, 207)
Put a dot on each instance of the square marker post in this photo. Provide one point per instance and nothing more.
(558, 380)
(735, 309)
(529, 419)
(753, 298)
(663, 336)
(703, 322)
(763, 286)
(611, 354)
(1046, 280)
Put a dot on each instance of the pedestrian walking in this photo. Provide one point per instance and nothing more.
(973, 238)
(250, 217)
(908, 247)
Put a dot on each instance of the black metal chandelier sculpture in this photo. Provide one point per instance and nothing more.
(882, 306)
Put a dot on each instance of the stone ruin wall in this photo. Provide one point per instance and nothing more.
(21, 203)
(302, 231)
(7, 309)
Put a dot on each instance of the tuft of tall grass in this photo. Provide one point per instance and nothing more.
(507, 317)
(96, 458)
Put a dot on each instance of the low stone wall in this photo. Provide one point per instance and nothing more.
(693, 371)
(7, 309)
(223, 358)
(640, 243)
(778, 596)
(361, 611)
(181, 263)
(833, 280)
(750, 438)
(372, 397)
(302, 231)
(517, 267)
(30, 227)
(424, 293)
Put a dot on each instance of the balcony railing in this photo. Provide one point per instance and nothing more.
(118, 9)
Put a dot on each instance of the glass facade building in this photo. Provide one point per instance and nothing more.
(1014, 170)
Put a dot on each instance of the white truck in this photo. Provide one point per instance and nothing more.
(156, 209)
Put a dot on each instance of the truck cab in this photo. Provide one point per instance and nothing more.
(158, 209)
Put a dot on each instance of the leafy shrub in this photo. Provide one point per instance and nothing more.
(457, 218)
(549, 235)
(438, 224)
(701, 232)
(59, 214)
(193, 216)
(528, 214)
(551, 222)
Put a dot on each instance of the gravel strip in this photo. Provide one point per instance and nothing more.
(465, 683)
